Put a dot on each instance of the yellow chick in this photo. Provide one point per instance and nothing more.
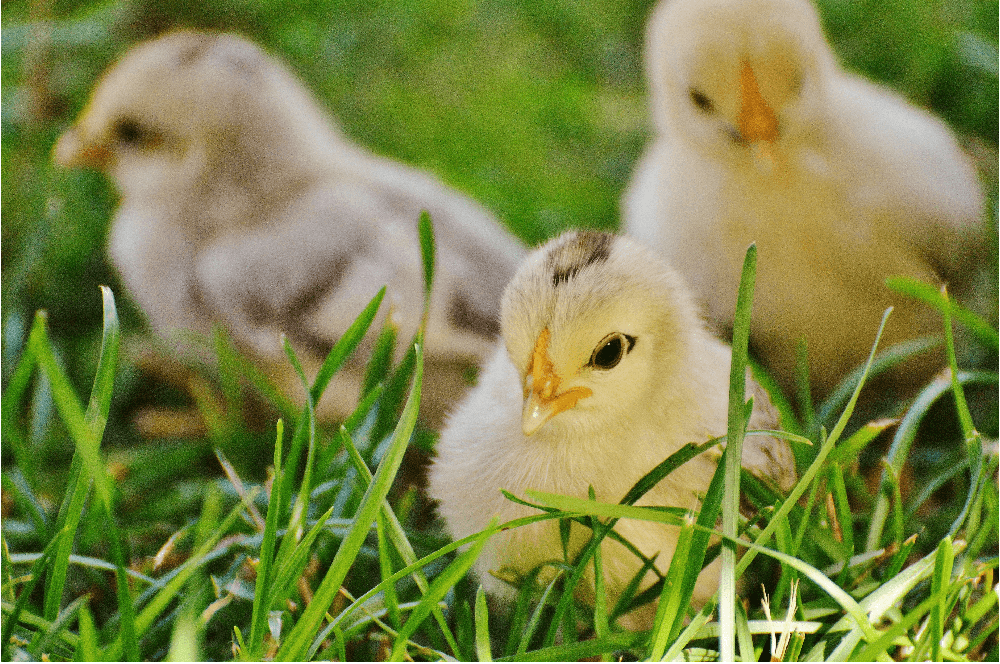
(242, 204)
(761, 137)
(605, 370)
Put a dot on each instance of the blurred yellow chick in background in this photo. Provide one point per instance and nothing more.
(761, 137)
(242, 204)
(605, 371)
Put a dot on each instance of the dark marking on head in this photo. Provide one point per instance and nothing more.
(193, 52)
(583, 249)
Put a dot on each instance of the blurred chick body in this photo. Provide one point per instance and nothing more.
(605, 371)
(761, 137)
(242, 204)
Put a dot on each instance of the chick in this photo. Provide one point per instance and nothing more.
(242, 204)
(761, 137)
(605, 370)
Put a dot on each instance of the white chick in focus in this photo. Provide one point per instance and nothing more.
(242, 204)
(761, 137)
(606, 370)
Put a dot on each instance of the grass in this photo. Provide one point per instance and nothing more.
(873, 602)
(291, 540)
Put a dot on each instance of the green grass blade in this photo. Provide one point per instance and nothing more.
(536, 616)
(346, 345)
(289, 565)
(56, 632)
(690, 632)
(87, 645)
(88, 442)
(787, 418)
(171, 590)
(425, 230)
(15, 483)
(11, 430)
(35, 576)
(903, 440)
(882, 362)
(671, 603)
(583, 507)
(879, 602)
(396, 534)
(806, 480)
(96, 416)
(581, 650)
(973, 441)
(934, 297)
(943, 563)
(107, 366)
(385, 568)
(483, 649)
(843, 509)
(693, 563)
(265, 568)
(733, 455)
(343, 620)
(379, 364)
(296, 645)
(297, 519)
(743, 638)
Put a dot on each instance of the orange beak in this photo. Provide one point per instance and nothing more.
(544, 400)
(71, 151)
(756, 121)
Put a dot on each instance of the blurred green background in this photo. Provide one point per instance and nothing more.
(537, 108)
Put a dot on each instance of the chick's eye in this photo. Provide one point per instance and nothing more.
(132, 133)
(611, 350)
(701, 100)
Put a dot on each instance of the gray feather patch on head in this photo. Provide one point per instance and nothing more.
(194, 52)
(580, 250)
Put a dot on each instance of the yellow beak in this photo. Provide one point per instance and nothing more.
(544, 400)
(71, 151)
(756, 121)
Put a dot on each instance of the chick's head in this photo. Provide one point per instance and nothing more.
(740, 80)
(185, 110)
(596, 327)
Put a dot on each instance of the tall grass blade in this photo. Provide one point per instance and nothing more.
(483, 650)
(396, 534)
(882, 362)
(973, 441)
(425, 230)
(87, 649)
(441, 585)
(346, 345)
(88, 444)
(814, 468)
(734, 454)
(71, 510)
(689, 633)
(35, 575)
(940, 301)
(943, 564)
(296, 645)
(265, 567)
(171, 590)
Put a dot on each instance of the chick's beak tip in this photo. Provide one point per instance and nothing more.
(70, 151)
(544, 400)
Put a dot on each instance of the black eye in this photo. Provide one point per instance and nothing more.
(699, 99)
(131, 133)
(611, 350)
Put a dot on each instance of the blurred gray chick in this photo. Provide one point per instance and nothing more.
(242, 204)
